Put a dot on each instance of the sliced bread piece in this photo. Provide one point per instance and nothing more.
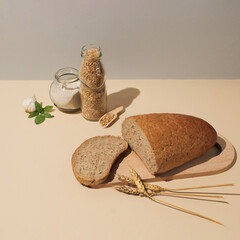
(164, 141)
(93, 159)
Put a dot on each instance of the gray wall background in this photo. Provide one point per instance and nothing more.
(139, 38)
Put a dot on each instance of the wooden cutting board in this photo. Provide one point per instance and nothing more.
(218, 159)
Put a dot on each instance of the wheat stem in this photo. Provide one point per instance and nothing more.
(188, 194)
(150, 190)
(134, 191)
(184, 210)
(208, 186)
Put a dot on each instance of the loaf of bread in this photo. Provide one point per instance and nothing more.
(93, 159)
(164, 141)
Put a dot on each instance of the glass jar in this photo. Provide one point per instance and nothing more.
(64, 90)
(93, 89)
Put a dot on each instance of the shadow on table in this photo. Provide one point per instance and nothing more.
(122, 98)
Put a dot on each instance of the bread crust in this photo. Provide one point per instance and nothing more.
(174, 138)
(95, 182)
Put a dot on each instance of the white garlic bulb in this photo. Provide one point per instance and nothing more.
(29, 104)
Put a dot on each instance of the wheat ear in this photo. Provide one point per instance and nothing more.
(127, 189)
(138, 182)
(154, 188)
(125, 179)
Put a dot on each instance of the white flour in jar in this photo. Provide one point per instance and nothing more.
(66, 97)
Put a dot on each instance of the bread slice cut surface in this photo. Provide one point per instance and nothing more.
(93, 159)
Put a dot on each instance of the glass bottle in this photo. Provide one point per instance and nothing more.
(64, 90)
(93, 88)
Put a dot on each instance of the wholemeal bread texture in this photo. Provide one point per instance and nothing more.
(164, 141)
(93, 159)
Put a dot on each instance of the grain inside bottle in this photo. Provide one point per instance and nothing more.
(93, 90)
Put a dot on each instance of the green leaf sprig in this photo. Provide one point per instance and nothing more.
(41, 113)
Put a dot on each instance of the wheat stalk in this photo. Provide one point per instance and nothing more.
(154, 189)
(185, 210)
(141, 190)
(186, 194)
(135, 191)
(207, 186)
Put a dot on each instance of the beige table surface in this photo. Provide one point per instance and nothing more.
(41, 199)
